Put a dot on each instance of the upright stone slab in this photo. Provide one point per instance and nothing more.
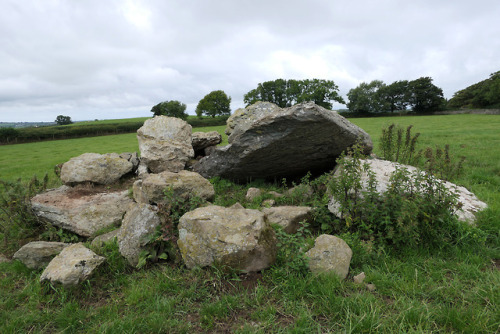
(283, 143)
(165, 144)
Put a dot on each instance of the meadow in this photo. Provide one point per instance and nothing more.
(450, 289)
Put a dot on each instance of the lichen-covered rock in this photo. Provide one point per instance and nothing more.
(202, 140)
(81, 213)
(38, 254)
(139, 224)
(244, 117)
(165, 144)
(288, 217)
(284, 143)
(96, 168)
(252, 193)
(233, 237)
(383, 169)
(330, 254)
(184, 184)
(105, 238)
(73, 265)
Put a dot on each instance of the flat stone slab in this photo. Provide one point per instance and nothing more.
(80, 211)
(38, 254)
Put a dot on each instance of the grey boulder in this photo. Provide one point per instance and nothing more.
(73, 265)
(38, 254)
(83, 214)
(96, 168)
(288, 217)
(165, 144)
(330, 254)
(234, 237)
(283, 143)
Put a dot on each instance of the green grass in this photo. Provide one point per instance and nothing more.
(417, 290)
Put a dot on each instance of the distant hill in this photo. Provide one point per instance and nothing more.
(484, 94)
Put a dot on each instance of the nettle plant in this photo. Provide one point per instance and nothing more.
(416, 209)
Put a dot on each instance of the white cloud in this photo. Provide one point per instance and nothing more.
(112, 59)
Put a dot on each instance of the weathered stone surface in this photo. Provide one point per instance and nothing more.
(383, 170)
(102, 239)
(282, 143)
(289, 217)
(202, 140)
(184, 184)
(330, 254)
(73, 265)
(244, 117)
(252, 193)
(139, 224)
(132, 157)
(38, 254)
(165, 144)
(238, 238)
(360, 278)
(96, 168)
(82, 214)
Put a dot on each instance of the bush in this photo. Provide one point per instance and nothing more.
(417, 209)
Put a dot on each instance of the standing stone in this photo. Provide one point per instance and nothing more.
(96, 168)
(330, 254)
(233, 237)
(73, 265)
(38, 254)
(165, 144)
(284, 143)
(138, 225)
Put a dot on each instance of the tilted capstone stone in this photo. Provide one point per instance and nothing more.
(284, 143)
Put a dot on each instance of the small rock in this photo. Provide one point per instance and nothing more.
(371, 287)
(102, 239)
(268, 203)
(358, 279)
(237, 206)
(73, 265)
(275, 194)
(330, 254)
(253, 193)
(288, 217)
(38, 254)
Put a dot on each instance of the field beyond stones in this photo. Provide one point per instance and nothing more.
(454, 289)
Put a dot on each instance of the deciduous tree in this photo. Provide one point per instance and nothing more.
(63, 120)
(216, 103)
(424, 96)
(170, 108)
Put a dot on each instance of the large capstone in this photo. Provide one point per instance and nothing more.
(234, 237)
(80, 212)
(284, 142)
(96, 168)
(165, 144)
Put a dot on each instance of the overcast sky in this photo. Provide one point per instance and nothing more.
(107, 59)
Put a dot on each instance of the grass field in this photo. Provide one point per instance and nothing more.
(454, 289)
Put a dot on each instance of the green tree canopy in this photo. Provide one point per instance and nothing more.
(170, 108)
(367, 97)
(396, 95)
(63, 120)
(424, 96)
(286, 93)
(216, 103)
(484, 94)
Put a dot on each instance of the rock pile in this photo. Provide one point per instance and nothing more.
(264, 141)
